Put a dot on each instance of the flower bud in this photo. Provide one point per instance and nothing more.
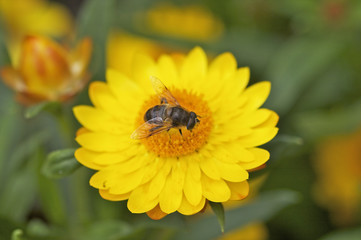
(48, 71)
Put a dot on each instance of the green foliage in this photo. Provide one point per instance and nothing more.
(308, 50)
(261, 209)
(218, 210)
(34, 110)
(95, 20)
(60, 163)
(349, 234)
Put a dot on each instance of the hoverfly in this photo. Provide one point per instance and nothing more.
(168, 114)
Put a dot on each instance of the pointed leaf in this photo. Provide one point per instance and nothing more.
(43, 106)
(218, 209)
(261, 209)
(94, 21)
(297, 65)
(60, 163)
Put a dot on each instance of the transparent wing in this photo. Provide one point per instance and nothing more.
(162, 91)
(151, 127)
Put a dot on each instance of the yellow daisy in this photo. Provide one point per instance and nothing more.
(338, 168)
(169, 172)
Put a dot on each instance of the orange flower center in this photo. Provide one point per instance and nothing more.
(171, 143)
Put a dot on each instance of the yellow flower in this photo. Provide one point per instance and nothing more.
(170, 172)
(338, 168)
(48, 71)
(24, 17)
(189, 22)
(127, 46)
(253, 231)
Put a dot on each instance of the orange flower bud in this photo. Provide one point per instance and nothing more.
(48, 71)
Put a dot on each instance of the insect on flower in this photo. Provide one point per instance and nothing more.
(169, 114)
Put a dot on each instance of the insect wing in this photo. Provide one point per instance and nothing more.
(162, 91)
(151, 127)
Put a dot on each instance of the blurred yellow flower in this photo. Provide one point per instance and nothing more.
(122, 47)
(338, 168)
(168, 172)
(191, 22)
(254, 231)
(187, 22)
(48, 71)
(29, 17)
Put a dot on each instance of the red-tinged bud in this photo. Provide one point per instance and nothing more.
(48, 71)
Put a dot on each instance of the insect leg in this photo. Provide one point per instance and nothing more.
(163, 100)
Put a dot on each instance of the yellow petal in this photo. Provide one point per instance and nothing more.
(193, 167)
(153, 169)
(103, 98)
(271, 121)
(239, 190)
(142, 68)
(193, 70)
(261, 156)
(132, 164)
(97, 120)
(215, 190)
(86, 158)
(113, 197)
(100, 179)
(188, 209)
(243, 75)
(125, 90)
(156, 213)
(209, 167)
(225, 63)
(233, 153)
(256, 95)
(258, 137)
(80, 56)
(81, 131)
(13, 79)
(171, 196)
(123, 183)
(138, 202)
(192, 189)
(231, 172)
(252, 119)
(102, 141)
(168, 72)
(110, 158)
(156, 185)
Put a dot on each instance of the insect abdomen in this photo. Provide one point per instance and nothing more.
(179, 116)
(156, 111)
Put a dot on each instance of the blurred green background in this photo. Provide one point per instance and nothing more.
(309, 50)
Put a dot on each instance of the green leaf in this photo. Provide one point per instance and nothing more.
(289, 139)
(60, 163)
(106, 229)
(218, 209)
(313, 125)
(296, 66)
(261, 209)
(349, 234)
(43, 106)
(94, 21)
(4, 55)
(18, 195)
